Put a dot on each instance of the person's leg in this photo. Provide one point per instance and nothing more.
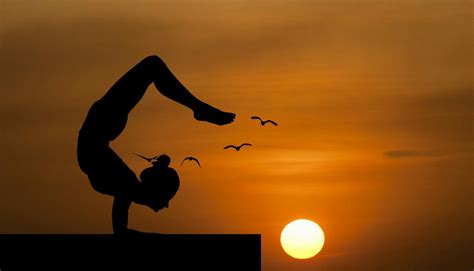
(131, 87)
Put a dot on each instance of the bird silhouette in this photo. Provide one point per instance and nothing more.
(191, 159)
(237, 148)
(146, 158)
(263, 122)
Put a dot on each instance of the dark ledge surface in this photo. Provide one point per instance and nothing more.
(138, 252)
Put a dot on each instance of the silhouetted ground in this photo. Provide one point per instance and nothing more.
(146, 252)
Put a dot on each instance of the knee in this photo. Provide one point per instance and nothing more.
(152, 61)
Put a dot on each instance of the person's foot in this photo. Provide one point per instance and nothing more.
(210, 114)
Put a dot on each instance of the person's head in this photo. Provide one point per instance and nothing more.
(160, 183)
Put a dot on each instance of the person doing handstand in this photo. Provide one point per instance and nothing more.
(106, 119)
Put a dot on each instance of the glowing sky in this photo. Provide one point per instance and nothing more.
(374, 101)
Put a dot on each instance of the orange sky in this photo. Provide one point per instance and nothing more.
(374, 101)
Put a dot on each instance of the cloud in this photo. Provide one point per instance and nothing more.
(408, 153)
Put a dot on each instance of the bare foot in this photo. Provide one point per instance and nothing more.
(210, 114)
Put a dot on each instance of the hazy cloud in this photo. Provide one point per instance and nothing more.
(408, 153)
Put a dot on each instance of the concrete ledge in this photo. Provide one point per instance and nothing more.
(141, 252)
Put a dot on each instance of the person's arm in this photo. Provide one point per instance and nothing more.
(120, 209)
(120, 214)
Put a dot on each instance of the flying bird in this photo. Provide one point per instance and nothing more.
(146, 158)
(237, 148)
(263, 122)
(191, 159)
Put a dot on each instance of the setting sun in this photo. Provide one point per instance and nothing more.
(302, 239)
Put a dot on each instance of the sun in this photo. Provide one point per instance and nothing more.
(302, 239)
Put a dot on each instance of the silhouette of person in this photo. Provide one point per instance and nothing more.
(106, 120)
